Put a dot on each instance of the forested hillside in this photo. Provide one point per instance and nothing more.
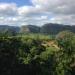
(21, 55)
(51, 28)
(30, 29)
(48, 28)
(9, 29)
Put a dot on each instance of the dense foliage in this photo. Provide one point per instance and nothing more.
(38, 56)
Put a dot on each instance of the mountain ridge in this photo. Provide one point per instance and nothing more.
(48, 28)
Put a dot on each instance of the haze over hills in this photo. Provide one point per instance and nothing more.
(49, 28)
(5, 28)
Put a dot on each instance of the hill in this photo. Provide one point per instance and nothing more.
(10, 30)
(6, 28)
(30, 29)
(49, 28)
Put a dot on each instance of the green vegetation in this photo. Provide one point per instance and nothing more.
(38, 54)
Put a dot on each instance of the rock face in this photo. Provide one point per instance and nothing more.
(30, 29)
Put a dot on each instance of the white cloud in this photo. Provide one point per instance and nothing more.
(8, 9)
(63, 19)
(56, 6)
(40, 12)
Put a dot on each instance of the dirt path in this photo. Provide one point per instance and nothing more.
(51, 44)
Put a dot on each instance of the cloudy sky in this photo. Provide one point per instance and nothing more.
(37, 12)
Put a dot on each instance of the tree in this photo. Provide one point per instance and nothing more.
(66, 42)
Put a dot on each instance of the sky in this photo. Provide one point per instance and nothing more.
(37, 12)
